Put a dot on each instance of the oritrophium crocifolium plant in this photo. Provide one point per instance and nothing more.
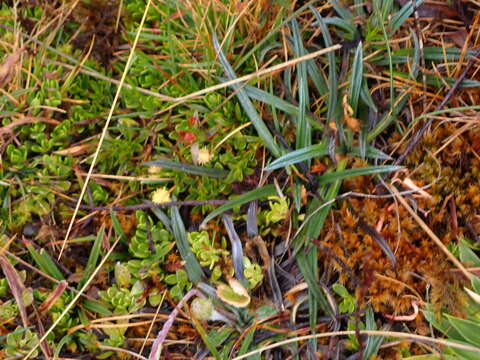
(205, 250)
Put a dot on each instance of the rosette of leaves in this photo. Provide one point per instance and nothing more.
(205, 250)
(8, 310)
(253, 272)
(19, 343)
(123, 300)
(69, 320)
(149, 247)
(179, 282)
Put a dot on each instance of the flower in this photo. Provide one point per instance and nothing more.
(200, 156)
(204, 156)
(161, 195)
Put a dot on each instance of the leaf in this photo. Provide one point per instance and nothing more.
(400, 17)
(8, 66)
(44, 261)
(259, 193)
(16, 286)
(356, 79)
(367, 170)
(332, 71)
(93, 258)
(317, 151)
(467, 255)
(470, 330)
(233, 294)
(237, 250)
(373, 343)
(303, 133)
(117, 227)
(247, 105)
(189, 169)
(194, 270)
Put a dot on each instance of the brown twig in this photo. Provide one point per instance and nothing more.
(151, 205)
(446, 99)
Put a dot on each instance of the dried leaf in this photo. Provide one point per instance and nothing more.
(16, 287)
(53, 297)
(6, 69)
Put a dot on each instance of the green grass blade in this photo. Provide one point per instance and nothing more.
(373, 343)
(356, 79)
(319, 150)
(194, 270)
(93, 258)
(348, 26)
(44, 262)
(303, 134)
(247, 105)
(118, 228)
(332, 106)
(311, 279)
(367, 170)
(272, 100)
(97, 307)
(297, 156)
(189, 169)
(259, 193)
(400, 17)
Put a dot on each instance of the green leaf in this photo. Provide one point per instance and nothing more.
(93, 258)
(194, 270)
(470, 330)
(356, 79)
(247, 105)
(44, 262)
(400, 17)
(367, 170)
(467, 255)
(332, 113)
(303, 133)
(317, 151)
(189, 169)
(373, 343)
(97, 307)
(259, 193)
(117, 227)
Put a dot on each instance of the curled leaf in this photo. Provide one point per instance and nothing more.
(233, 294)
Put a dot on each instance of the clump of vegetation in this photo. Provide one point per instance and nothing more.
(336, 135)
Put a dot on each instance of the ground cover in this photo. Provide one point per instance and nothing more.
(239, 179)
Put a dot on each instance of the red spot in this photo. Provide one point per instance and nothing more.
(188, 136)
(192, 120)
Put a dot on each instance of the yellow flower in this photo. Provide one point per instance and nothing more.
(161, 195)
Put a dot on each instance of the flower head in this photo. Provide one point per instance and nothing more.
(161, 195)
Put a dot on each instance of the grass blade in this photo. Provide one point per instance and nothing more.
(237, 250)
(400, 17)
(247, 105)
(259, 193)
(332, 106)
(367, 170)
(189, 169)
(194, 270)
(43, 261)
(303, 134)
(356, 79)
(117, 227)
(93, 258)
(373, 343)
(320, 150)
